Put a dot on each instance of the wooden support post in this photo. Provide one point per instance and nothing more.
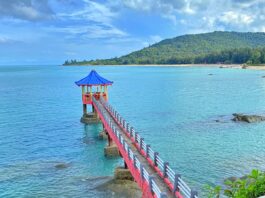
(84, 109)
(125, 165)
(109, 139)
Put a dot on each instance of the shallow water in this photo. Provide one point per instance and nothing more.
(174, 109)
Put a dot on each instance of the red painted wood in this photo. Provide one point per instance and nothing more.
(135, 173)
(87, 97)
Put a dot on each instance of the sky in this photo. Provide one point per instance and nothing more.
(51, 31)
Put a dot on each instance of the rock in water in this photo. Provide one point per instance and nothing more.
(61, 166)
(247, 118)
(121, 189)
(232, 179)
(123, 174)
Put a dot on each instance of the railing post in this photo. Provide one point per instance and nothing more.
(176, 183)
(136, 134)
(134, 161)
(123, 123)
(142, 171)
(123, 144)
(150, 179)
(193, 194)
(131, 132)
(119, 137)
(141, 143)
(155, 158)
(147, 150)
(129, 157)
(165, 169)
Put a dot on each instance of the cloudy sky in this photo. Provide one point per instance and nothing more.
(51, 31)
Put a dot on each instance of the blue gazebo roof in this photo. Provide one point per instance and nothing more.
(93, 78)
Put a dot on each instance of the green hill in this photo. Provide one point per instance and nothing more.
(214, 47)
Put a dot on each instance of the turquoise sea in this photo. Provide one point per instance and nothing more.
(174, 108)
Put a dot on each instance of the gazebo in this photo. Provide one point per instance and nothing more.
(93, 85)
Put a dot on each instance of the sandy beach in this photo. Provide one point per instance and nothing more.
(256, 67)
(223, 66)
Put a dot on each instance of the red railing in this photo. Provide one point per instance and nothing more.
(174, 181)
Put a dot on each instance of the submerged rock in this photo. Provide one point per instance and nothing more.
(247, 118)
(121, 173)
(61, 166)
(121, 188)
(233, 179)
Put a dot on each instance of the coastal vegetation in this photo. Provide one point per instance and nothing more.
(208, 48)
(249, 186)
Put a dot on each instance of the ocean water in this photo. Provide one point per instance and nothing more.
(174, 108)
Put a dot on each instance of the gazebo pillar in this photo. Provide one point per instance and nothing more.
(84, 109)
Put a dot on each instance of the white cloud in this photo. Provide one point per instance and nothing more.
(5, 39)
(92, 11)
(93, 21)
(166, 8)
(206, 15)
(28, 10)
(233, 17)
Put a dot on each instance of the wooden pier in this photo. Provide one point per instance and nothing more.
(153, 175)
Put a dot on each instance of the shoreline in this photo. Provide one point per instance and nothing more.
(165, 65)
(223, 66)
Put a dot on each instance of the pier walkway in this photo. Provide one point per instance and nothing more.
(153, 175)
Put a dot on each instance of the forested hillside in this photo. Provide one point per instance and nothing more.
(215, 47)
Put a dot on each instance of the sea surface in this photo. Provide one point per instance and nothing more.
(174, 108)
